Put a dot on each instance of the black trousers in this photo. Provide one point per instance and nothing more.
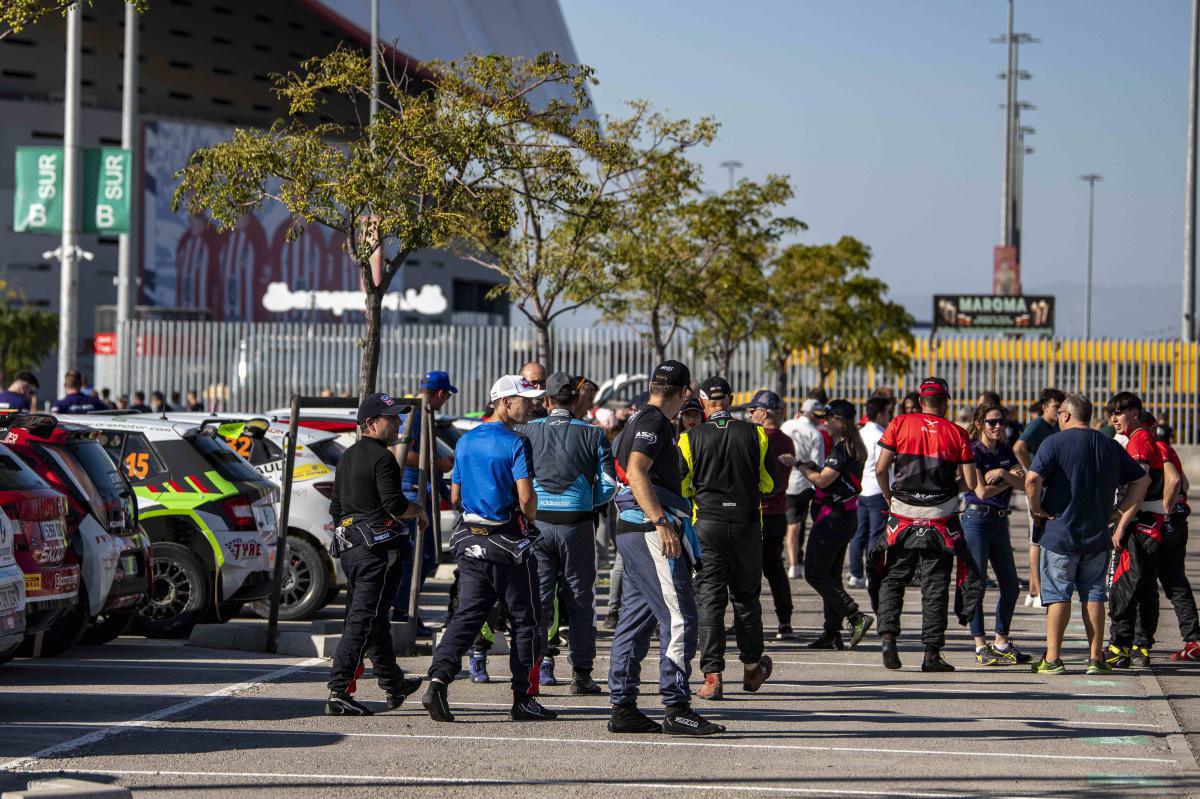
(731, 568)
(774, 530)
(934, 568)
(824, 559)
(1137, 621)
(372, 579)
(1173, 577)
(480, 584)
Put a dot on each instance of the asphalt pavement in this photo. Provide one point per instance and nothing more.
(169, 720)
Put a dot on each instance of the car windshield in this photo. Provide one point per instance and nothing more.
(15, 475)
(226, 462)
(329, 451)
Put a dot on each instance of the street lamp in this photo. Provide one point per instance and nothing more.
(1087, 312)
(731, 166)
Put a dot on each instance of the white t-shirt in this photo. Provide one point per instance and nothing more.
(809, 447)
(871, 432)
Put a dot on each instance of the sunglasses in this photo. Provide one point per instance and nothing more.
(537, 383)
(993, 422)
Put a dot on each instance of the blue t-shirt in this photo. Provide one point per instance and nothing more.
(1001, 457)
(408, 480)
(489, 460)
(78, 403)
(1036, 433)
(1081, 470)
(12, 401)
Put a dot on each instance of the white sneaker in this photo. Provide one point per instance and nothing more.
(793, 572)
(857, 582)
(1033, 601)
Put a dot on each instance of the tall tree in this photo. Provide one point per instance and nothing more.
(822, 300)
(554, 258)
(27, 334)
(15, 15)
(435, 164)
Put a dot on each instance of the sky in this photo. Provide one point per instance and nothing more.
(885, 115)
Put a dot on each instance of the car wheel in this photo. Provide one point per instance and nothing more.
(179, 593)
(306, 581)
(62, 634)
(106, 627)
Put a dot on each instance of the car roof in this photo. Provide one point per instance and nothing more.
(140, 422)
(305, 435)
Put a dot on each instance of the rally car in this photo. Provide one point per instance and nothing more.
(102, 526)
(209, 515)
(12, 589)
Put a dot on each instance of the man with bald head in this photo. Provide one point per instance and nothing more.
(535, 373)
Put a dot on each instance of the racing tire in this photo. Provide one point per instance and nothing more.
(179, 593)
(306, 582)
(63, 634)
(106, 627)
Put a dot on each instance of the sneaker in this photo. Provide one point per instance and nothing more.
(478, 665)
(1139, 656)
(785, 633)
(1190, 651)
(858, 628)
(1033, 601)
(343, 704)
(1098, 667)
(891, 657)
(546, 673)
(828, 641)
(526, 708)
(436, 702)
(396, 694)
(857, 582)
(628, 719)
(682, 720)
(935, 663)
(757, 674)
(1048, 667)
(582, 684)
(794, 572)
(713, 688)
(610, 622)
(1012, 655)
(986, 656)
(1117, 656)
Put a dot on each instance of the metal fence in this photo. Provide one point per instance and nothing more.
(256, 366)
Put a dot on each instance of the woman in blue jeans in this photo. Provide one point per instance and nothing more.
(985, 524)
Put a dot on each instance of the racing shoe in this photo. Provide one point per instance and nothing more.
(546, 673)
(1117, 656)
(713, 688)
(526, 708)
(858, 628)
(1044, 666)
(478, 666)
(1098, 667)
(986, 656)
(582, 684)
(785, 633)
(1139, 656)
(1012, 655)
(682, 720)
(436, 702)
(628, 719)
(396, 694)
(891, 656)
(343, 704)
(935, 662)
(1190, 651)
(757, 674)
(828, 641)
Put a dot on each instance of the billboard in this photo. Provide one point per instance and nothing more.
(1022, 313)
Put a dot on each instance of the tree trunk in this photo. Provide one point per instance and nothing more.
(370, 342)
(726, 358)
(660, 346)
(781, 375)
(542, 355)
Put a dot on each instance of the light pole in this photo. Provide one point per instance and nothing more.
(731, 166)
(1188, 322)
(1087, 307)
(68, 324)
(127, 243)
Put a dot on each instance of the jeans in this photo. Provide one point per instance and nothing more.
(872, 513)
(987, 537)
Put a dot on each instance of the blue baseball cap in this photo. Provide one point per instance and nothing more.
(437, 381)
(767, 400)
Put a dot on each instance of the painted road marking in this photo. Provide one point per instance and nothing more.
(1117, 740)
(1106, 709)
(151, 718)
(1101, 683)
(1122, 779)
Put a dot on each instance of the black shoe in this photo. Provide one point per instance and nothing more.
(435, 701)
(935, 663)
(891, 657)
(785, 633)
(398, 693)
(610, 622)
(828, 641)
(582, 684)
(627, 718)
(527, 708)
(343, 704)
(682, 720)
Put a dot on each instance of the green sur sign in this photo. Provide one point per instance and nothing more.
(105, 203)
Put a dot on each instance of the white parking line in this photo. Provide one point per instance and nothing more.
(22, 763)
(167, 665)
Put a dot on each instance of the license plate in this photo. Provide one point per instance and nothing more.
(53, 532)
(264, 516)
(10, 598)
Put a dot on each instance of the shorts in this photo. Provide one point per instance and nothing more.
(1067, 575)
(797, 506)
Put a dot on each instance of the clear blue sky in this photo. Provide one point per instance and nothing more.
(884, 113)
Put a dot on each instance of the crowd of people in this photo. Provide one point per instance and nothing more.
(80, 396)
(705, 504)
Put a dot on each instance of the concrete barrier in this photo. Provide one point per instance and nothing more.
(1190, 458)
(65, 788)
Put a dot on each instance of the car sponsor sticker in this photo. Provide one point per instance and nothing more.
(244, 548)
(33, 582)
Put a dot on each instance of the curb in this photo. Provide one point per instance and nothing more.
(1176, 738)
(65, 788)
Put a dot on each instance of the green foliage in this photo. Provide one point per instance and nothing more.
(27, 335)
(822, 299)
(15, 15)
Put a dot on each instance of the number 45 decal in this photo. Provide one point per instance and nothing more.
(137, 465)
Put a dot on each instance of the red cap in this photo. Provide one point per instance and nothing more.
(934, 387)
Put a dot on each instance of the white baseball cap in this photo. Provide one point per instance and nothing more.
(515, 386)
(809, 405)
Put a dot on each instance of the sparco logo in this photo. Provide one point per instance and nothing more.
(474, 551)
(64, 582)
(686, 722)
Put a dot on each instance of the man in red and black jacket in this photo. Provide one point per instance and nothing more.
(1133, 593)
(931, 457)
(1171, 572)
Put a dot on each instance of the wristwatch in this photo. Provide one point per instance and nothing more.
(662, 521)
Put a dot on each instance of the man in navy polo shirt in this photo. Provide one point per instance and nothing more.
(23, 388)
(75, 401)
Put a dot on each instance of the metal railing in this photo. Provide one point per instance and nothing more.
(255, 366)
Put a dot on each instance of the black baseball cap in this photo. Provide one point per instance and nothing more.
(767, 400)
(934, 387)
(380, 405)
(692, 406)
(715, 388)
(843, 409)
(562, 386)
(671, 373)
